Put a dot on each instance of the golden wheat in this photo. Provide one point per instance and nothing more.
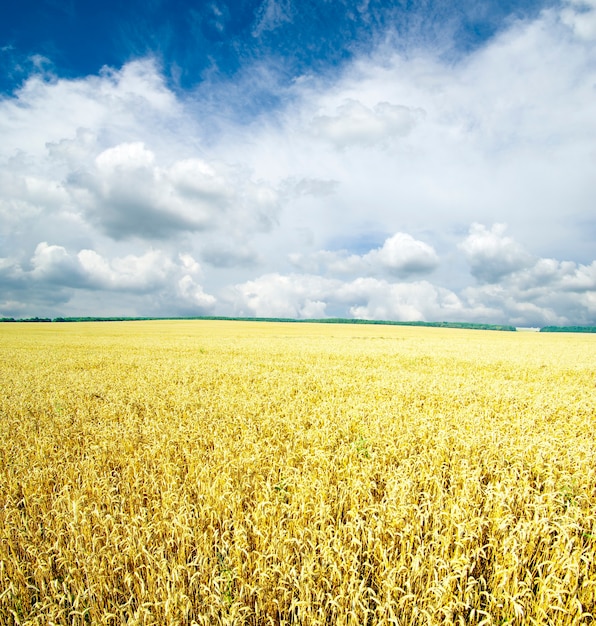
(250, 473)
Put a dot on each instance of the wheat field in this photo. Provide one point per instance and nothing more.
(213, 472)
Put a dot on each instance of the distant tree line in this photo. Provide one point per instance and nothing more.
(326, 320)
(338, 320)
(568, 329)
(26, 319)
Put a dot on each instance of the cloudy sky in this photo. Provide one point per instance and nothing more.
(431, 160)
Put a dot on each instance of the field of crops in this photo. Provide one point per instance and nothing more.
(266, 473)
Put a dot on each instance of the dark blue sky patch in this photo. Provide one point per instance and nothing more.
(202, 40)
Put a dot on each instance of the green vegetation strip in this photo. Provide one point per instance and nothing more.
(327, 320)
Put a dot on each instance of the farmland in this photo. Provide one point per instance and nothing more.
(217, 472)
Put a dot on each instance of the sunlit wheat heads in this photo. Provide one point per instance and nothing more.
(265, 473)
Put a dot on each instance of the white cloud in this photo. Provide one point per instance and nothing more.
(299, 295)
(354, 124)
(536, 291)
(274, 295)
(170, 201)
(312, 187)
(491, 254)
(419, 301)
(530, 291)
(222, 253)
(76, 151)
(87, 270)
(194, 295)
(119, 105)
(53, 264)
(127, 194)
(580, 16)
(549, 293)
(271, 15)
(137, 273)
(23, 197)
(400, 255)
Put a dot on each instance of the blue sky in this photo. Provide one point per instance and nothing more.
(388, 160)
(197, 41)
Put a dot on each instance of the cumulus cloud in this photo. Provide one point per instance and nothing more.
(400, 255)
(530, 291)
(354, 124)
(550, 292)
(72, 147)
(128, 194)
(194, 296)
(580, 16)
(26, 195)
(275, 295)
(491, 254)
(55, 265)
(87, 270)
(524, 289)
(308, 295)
(114, 106)
(418, 301)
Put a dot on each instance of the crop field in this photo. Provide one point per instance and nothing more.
(214, 472)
